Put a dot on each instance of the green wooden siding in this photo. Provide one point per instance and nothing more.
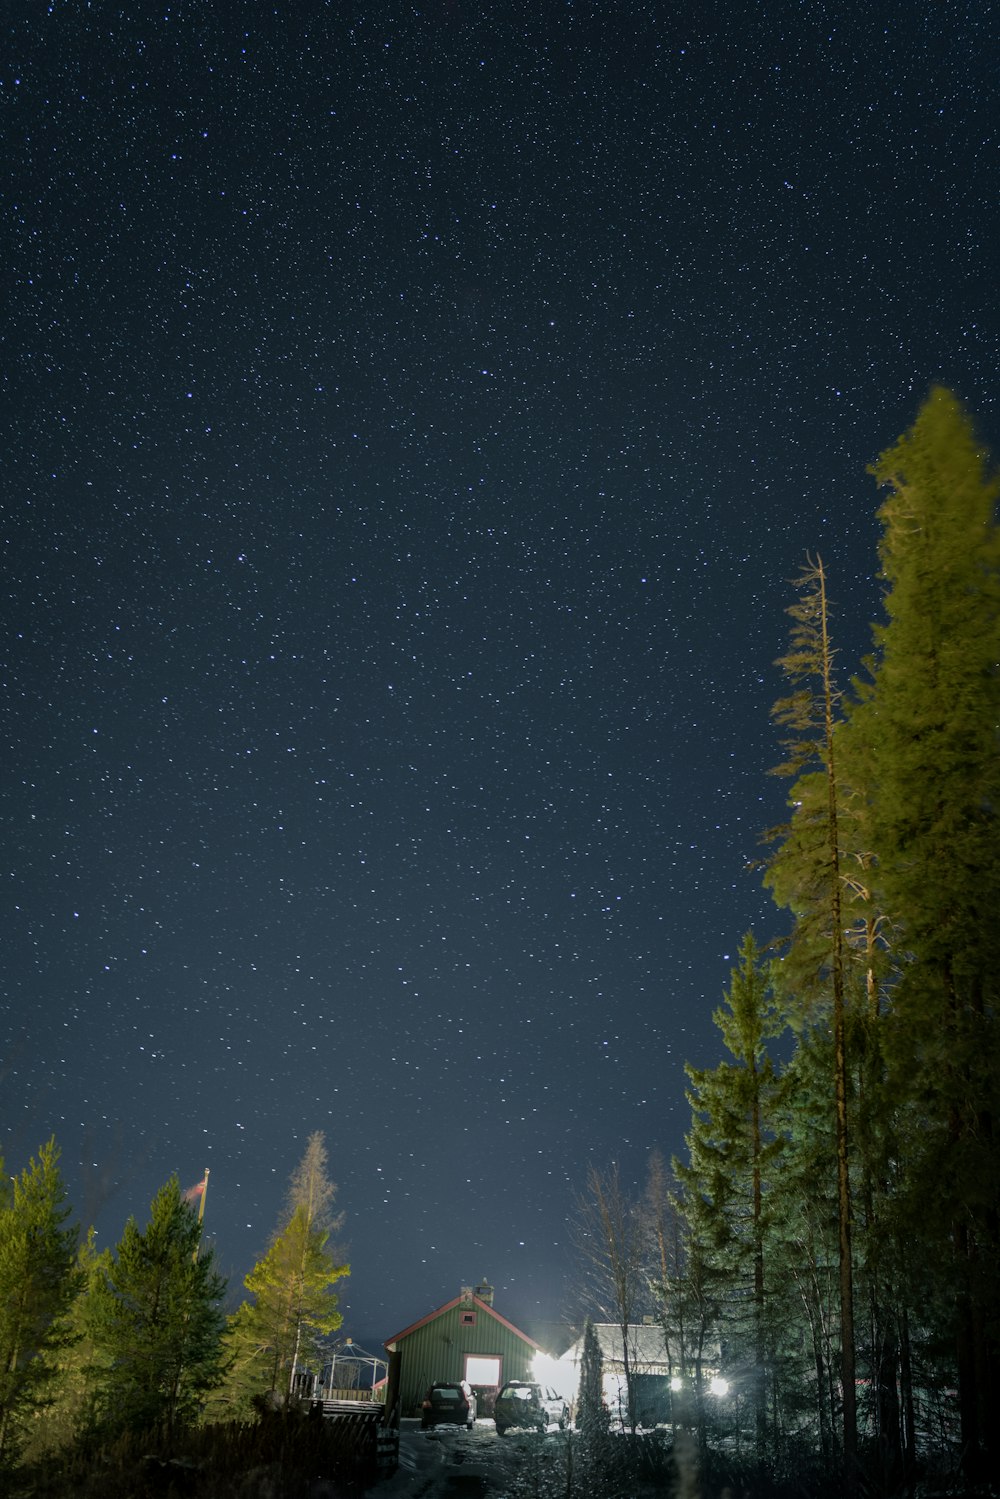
(438, 1349)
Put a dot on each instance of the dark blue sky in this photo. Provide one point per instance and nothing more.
(414, 416)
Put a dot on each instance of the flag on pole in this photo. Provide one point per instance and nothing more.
(197, 1194)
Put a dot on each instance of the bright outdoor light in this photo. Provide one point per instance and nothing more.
(718, 1386)
(676, 1382)
(555, 1374)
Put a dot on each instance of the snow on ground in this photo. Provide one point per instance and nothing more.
(449, 1462)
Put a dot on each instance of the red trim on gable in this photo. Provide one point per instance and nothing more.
(422, 1323)
(390, 1343)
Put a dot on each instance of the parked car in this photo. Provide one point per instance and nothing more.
(521, 1403)
(449, 1403)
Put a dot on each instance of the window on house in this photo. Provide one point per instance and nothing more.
(468, 1319)
(483, 1369)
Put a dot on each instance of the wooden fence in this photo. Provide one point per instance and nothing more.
(358, 1432)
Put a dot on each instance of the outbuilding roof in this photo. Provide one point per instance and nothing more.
(647, 1347)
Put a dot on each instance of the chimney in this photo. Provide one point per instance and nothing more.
(485, 1292)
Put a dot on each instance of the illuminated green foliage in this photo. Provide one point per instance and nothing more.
(156, 1322)
(38, 1283)
(295, 1305)
(924, 737)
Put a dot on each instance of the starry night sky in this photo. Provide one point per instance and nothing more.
(413, 417)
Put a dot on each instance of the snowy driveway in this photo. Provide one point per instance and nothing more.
(452, 1463)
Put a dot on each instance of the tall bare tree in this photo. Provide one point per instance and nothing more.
(809, 714)
(610, 1235)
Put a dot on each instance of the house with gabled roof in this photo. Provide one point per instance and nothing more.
(468, 1339)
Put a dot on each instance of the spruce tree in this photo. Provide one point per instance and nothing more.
(700, 1286)
(591, 1411)
(591, 1472)
(77, 1364)
(733, 1151)
(803, 1281)
(154, 1315)
(925, 730)
(38, 1284)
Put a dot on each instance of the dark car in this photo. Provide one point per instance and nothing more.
(449, 1403)
(521, 1403)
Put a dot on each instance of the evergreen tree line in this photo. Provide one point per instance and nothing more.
(831, 1239)
(96, 1345)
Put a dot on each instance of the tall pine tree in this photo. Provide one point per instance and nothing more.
(295, 1305)
(815, 892)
